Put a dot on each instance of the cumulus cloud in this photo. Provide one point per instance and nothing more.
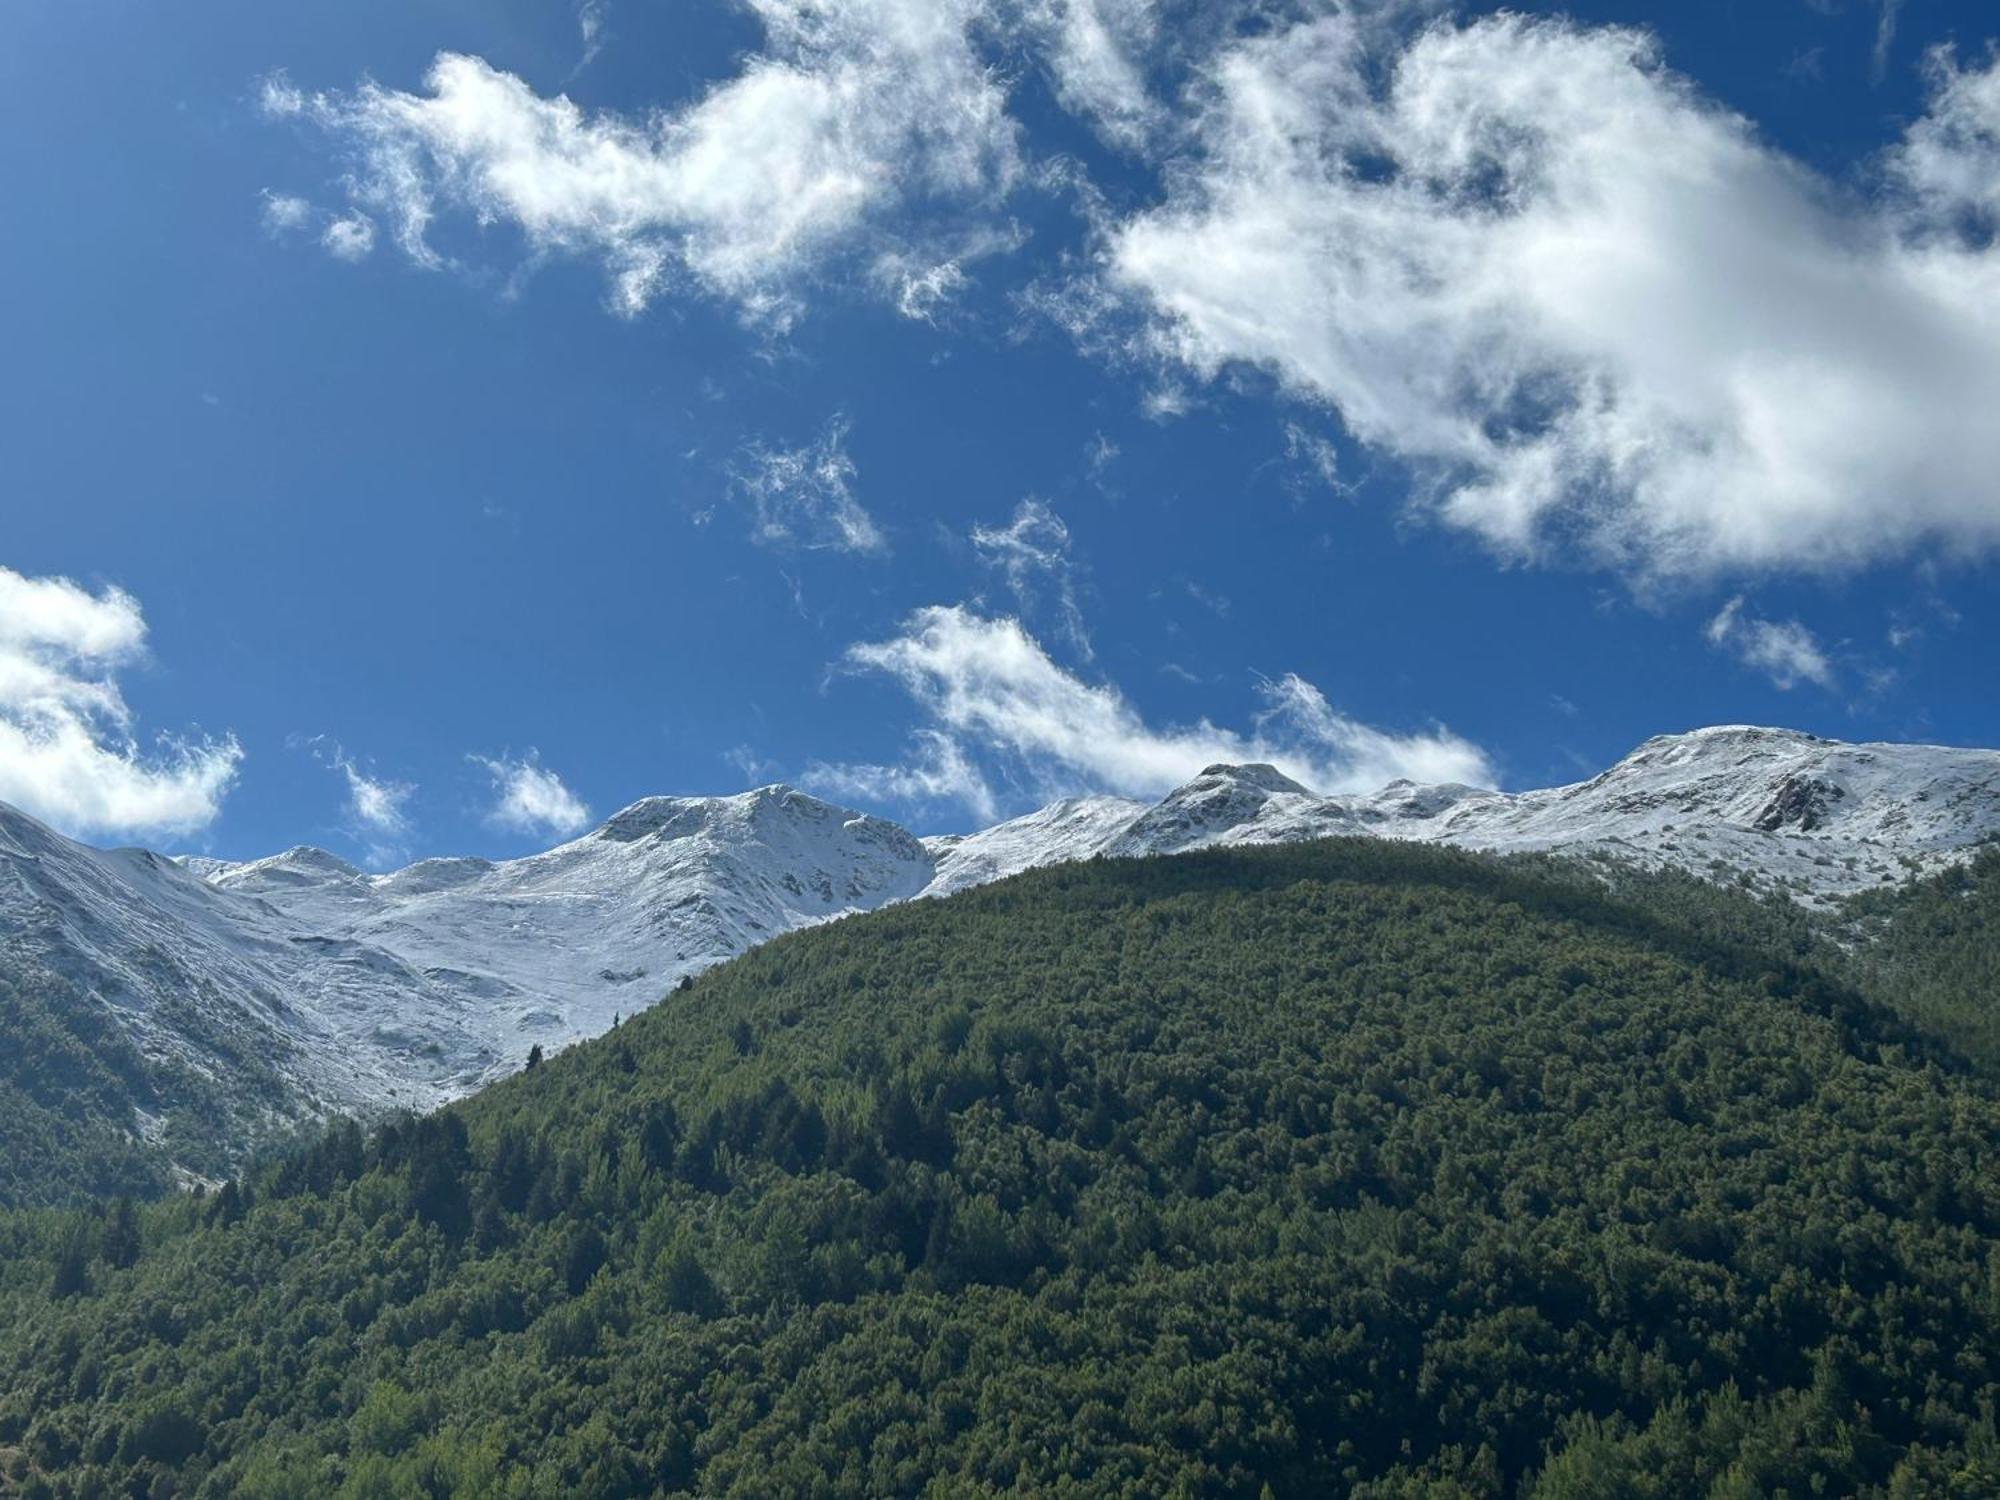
(1033, 552)
(849, 113)
(1591, 308)
(1785, 651)
(805, 496)
(68, 753)
(989, 689)
(530, 798)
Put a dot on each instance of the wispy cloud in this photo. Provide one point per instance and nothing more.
(1783, 650)
(1314, 453)
(1033, 552)
(938, 770)
(990, 692)
(591, 16)
(754, 768)
(376, 807)
(805, 496)
(68, 751)
(1095, 52)
(530, 798)
(285, 213)
(1887, 14)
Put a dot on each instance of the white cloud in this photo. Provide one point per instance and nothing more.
(1785, 651)
(1887, 13)
(530, 798)
(590, 19)
(350, 237)
(805, 496)
(920, 292)
(377, 806)
(67, 751)
(1590, 307)
(1315, 453)
(755, 770)
(1950, 159)
(1217, 604)
(938, 770)
(285, 213)
(990, 689)
(1095, 51)
(279, 97)
(1033, 551)
(849, 112)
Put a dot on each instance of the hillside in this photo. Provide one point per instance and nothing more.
(1348, 1168)
(291, 988)
(265, 995)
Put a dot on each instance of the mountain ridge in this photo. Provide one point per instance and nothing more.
(407, 988)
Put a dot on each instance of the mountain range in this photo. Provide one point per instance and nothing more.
(365, 991)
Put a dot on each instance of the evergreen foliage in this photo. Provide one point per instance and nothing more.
(1933, 948)
(69, 1082)
(86, 1113)
(1342, 1169)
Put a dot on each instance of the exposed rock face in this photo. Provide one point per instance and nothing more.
(1801, 802)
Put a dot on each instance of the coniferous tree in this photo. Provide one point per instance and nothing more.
(121, 1234)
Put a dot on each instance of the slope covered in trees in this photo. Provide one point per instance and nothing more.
(1339, 1169)
(71, 1085)
(1932, 948)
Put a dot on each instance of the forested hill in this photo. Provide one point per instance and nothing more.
(1347, 1168)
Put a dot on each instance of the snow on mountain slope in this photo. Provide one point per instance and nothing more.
(347, 991)
(551, 947)
(1817, 818)
(322, 987)
(1075, 828)
(202, 981)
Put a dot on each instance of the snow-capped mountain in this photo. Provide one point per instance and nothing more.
(1075, 828)
(1814, 817)
(365, 991)
(345, 990)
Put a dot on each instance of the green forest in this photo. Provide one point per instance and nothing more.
(1351, 1169)
(72, 1082)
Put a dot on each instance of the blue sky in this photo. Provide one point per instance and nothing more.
(950, 406)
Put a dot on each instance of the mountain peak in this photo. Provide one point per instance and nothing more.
(676, 817)
(300, 863)
(1259, 774)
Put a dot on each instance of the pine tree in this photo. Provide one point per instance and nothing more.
(72, 1268)
(121, 1235)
